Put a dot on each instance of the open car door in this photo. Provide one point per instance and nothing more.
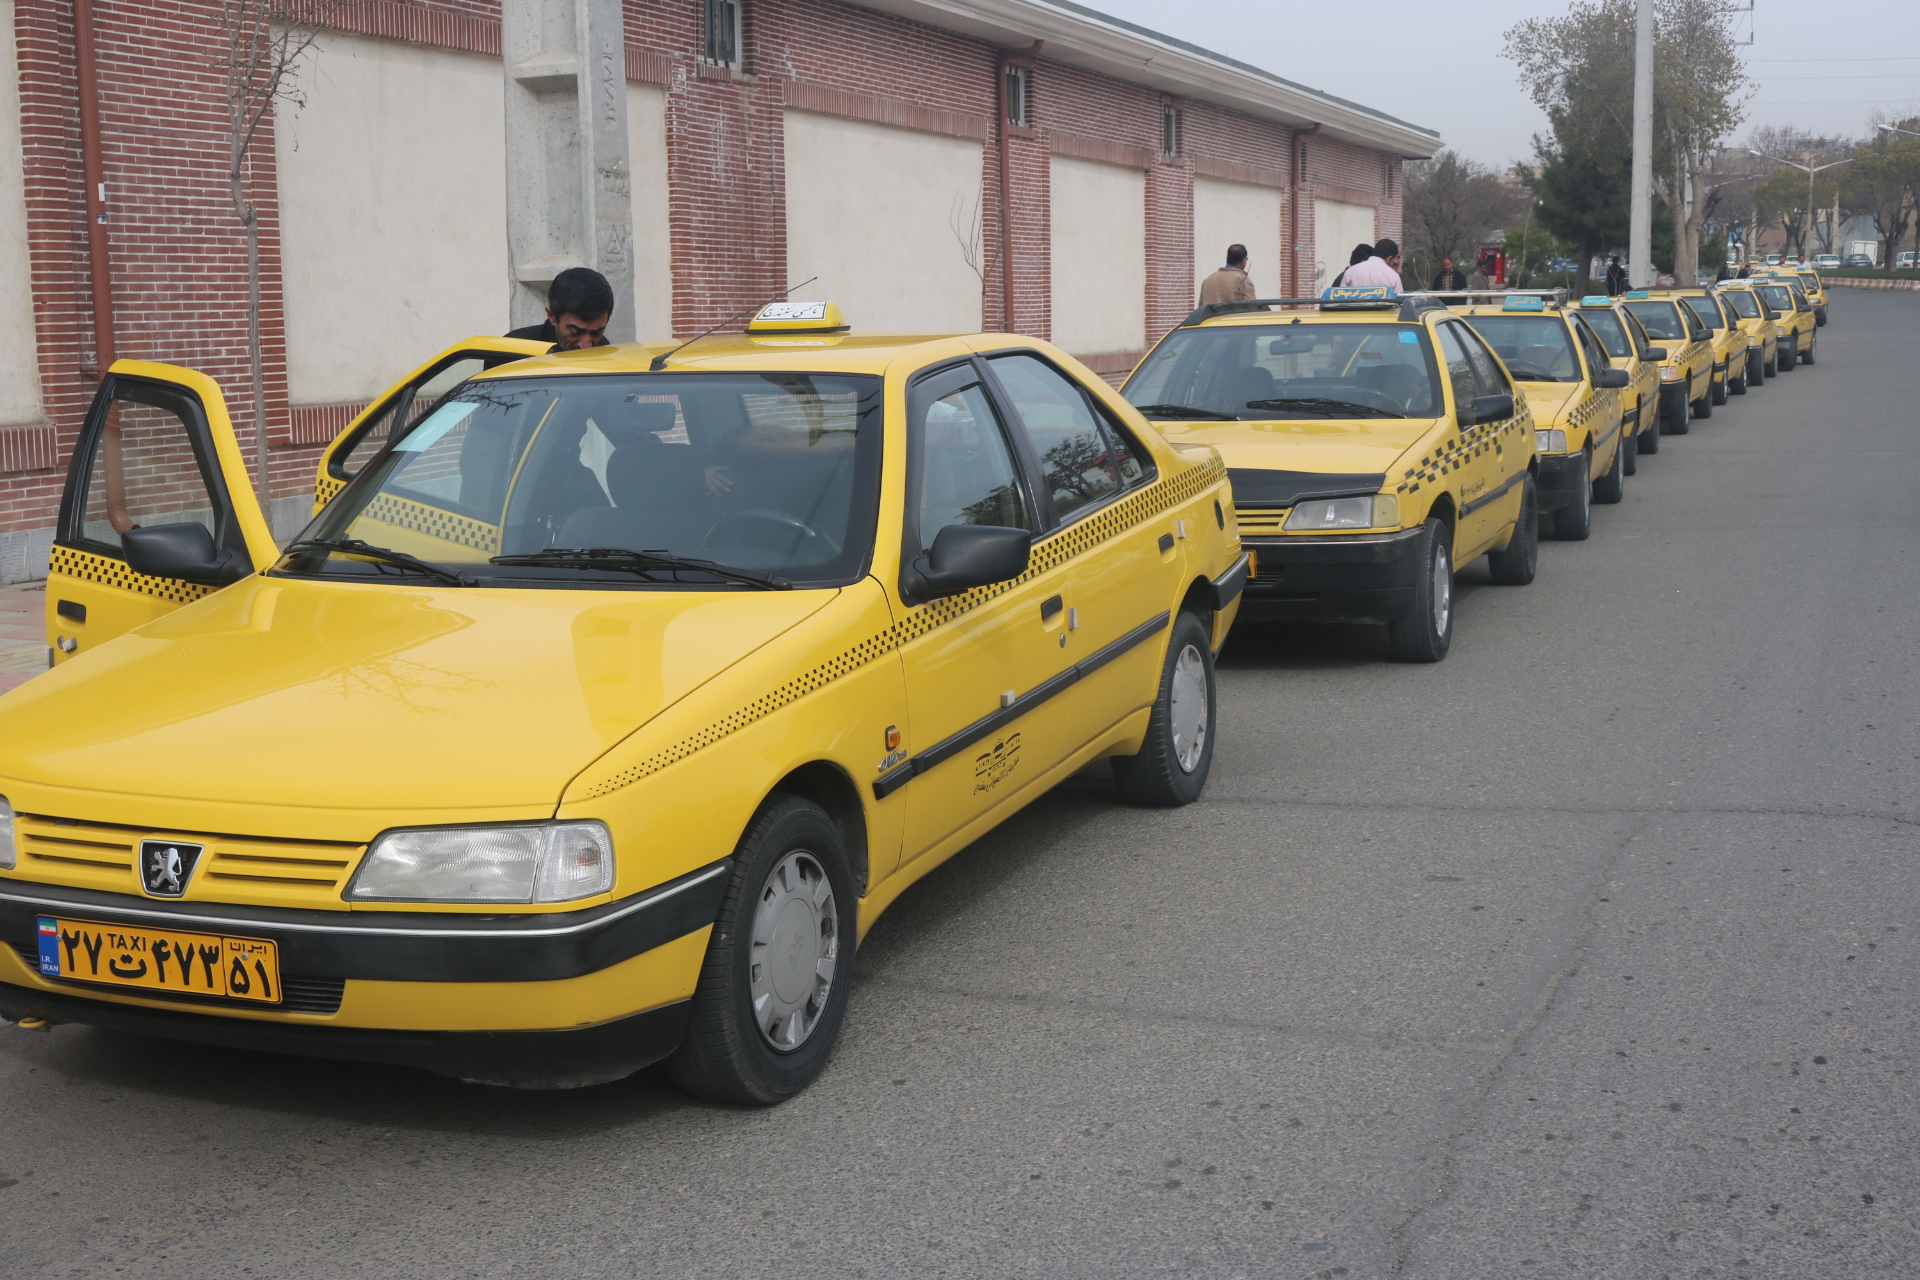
(406, 402)
(156, 477)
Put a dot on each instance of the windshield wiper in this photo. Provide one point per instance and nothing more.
(1322, 402)
(1184, 411)
(386, 555)
(642, 561)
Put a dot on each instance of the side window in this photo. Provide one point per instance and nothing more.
(408, 406)
(147, 469)
(1453, 353)
(1078, 454)
(964, 471)
(1493, 381)
(1597, 362)
(1638, 333)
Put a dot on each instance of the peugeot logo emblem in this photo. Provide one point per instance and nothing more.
(167, 865)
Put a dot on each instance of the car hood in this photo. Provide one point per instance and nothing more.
(1335, 448)
(1547, 400)
(295, 695)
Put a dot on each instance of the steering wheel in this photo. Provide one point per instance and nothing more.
(791, 529)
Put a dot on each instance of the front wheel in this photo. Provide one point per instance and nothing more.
(1756, 369)
(1630, 446)
(1812, 342)
(1612, 486)
(773, 989)
(1426, 633)
(1516, 565)
(1574, 522)
(1771, 368)
(1703, 407)
(1171, 766)
(1790, 357)
(1720, 388)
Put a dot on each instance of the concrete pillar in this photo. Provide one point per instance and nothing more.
(569, 184)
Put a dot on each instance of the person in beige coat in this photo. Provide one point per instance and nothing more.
(1231, 282)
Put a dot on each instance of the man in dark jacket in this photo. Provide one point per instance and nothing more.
(1616, 277)
(579, 304)
(1448, 276)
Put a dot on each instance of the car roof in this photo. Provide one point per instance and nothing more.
(844, 353)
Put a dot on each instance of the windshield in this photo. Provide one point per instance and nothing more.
(1660, 319)
(1742, 303)
(1534, 348)
(770, 473)
(1778, 296)
(1810, 279)
(1708, 313)
(1612, 334)
(1252, 371)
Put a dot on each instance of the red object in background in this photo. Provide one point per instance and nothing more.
(1492, 259)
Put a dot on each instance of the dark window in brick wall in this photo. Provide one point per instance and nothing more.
(723, 32)
(1019, 95)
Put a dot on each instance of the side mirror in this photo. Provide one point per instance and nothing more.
(1613, 380)
(1654, 353)
(1487, 409)
(966, 556)
(181, 551)
(1701, 335)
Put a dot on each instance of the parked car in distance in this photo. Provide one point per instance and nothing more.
(1859, 260)
(1828, 261)
(1904, 261)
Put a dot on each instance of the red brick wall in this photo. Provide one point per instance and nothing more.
(178, 253)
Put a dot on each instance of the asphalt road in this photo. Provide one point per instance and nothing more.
(1589, 952)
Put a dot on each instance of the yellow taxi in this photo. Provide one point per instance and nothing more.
(1686, 362)
(603, 707)
(1375, 444)
(1729, 343)
(1759, 322)
(1574, 393)
(1631, 352)
(1816, 290)
(1798, 341)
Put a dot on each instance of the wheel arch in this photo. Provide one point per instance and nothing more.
(828, 785)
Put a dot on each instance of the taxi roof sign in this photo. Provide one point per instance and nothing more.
(1596, 300)
(1360, 298)
(1524, 304)
(798, 317)
(1637, 295)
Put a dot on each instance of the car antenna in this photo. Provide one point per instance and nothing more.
(660, 361)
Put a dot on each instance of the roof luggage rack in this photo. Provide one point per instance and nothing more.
(1409, 306)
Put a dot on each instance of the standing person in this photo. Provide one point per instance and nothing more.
(1724, 273)
(1361, 252)
(579, 304)
(1482, 280)
(1448, 276)
(1746, 271)
(1231, 282)
(1383, 268)
(1616, 277)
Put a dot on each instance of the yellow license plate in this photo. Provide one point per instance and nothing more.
(171, 960)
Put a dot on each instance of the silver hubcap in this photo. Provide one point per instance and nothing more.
(796, 948)
(1189, 708)
(1442, 592)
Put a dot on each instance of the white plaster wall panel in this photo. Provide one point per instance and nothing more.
(881, 216)
(1227, 213)
(392, 212)
(19, 358)
(1337, 228)
(652, 236)
(1099, 222)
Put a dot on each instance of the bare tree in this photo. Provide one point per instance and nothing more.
(266, 42)
(1450, 205)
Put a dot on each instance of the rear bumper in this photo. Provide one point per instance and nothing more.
(1555, 481)
(1365, 578)
(568, 1058)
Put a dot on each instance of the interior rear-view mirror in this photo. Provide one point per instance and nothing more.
(1292, 344)
(966, 556)
(1487, 409)
(184, 552)
(1612, 379)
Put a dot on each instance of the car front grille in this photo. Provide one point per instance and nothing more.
(239, 869)
(300, 994)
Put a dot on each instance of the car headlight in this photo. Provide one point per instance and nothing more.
(1554, 441)
(1381, 511)
(6, 835)
(530, 862)
(1668, 373)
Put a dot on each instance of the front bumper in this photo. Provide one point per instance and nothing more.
(1555, 481)
(1363, 578)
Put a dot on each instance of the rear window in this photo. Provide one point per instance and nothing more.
(1534, 348)
(1298, 370)
(1660, 318)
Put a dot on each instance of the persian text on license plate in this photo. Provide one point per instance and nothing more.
(201, 964)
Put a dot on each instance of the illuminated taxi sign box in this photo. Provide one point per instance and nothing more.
(1524, 304)
(1637, 295)
(1596, 300)
(798, 317)
(1378, 297)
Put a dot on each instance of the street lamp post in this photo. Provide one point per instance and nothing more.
(1809, 170)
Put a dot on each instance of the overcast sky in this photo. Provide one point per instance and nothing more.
(1821, 67)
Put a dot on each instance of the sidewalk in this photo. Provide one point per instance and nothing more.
(23, 633)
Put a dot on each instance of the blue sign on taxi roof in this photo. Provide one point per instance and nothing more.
(1637, 295)
(1523, 304)
(1365, 293)
(1596, 300)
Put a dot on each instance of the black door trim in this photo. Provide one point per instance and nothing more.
(1493, 496)
(940, 752)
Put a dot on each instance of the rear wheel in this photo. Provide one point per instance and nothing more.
(1515, 566)
(773, 989)
(1426, 633)
(1612, 486)
(1171, 766)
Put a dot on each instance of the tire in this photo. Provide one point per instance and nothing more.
(1648, 438)
(1703, 407)
(789, 912)
(1172, 765)
(1772, 367)
(1574, 522)
(1612, 487)
(1756, 369)
(1631, 447)
(1720, 389)
(1812, 343)
(1738, 386)
(1426, 633)
(1516, 565)
(1790, 357)
(1679, 421)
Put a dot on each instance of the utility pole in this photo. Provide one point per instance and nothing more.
(1640, 228)
(569, 181)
